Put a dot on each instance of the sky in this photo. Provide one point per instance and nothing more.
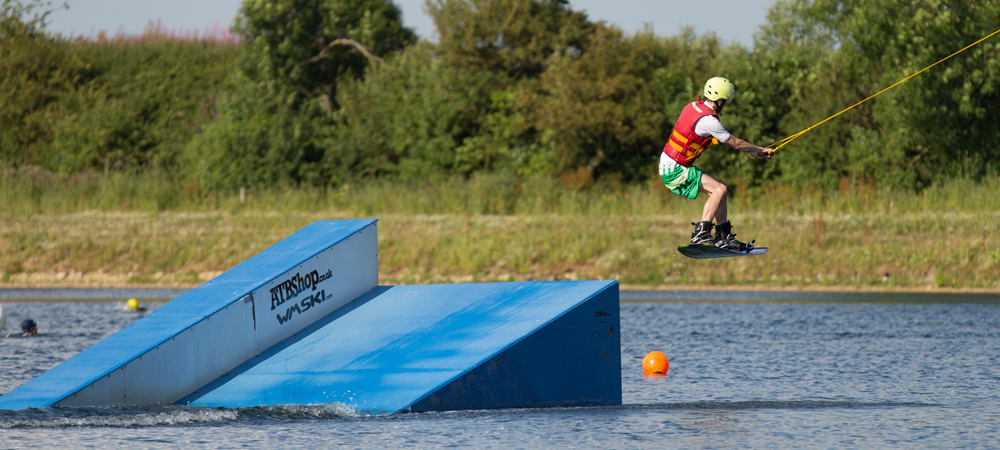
(731, 20)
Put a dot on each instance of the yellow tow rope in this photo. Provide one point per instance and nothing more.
(791, 138)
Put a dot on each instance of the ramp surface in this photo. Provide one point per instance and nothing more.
(209, 330)
(442, 347)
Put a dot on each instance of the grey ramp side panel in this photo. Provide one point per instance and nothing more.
(195, 337)
(226, 339)
(279, 312)
(170, 369)
(110, 386)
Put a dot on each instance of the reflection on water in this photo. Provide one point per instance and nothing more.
(893, 371)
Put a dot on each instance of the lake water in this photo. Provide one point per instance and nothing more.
(750, 371)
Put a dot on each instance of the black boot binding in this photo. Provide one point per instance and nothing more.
(702, 233)
(725, 238)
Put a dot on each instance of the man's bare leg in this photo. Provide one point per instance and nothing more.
(715, 206)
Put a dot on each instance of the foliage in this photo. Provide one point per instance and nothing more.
(408, 118)
(513, 37)
(138, 104)
(102, 104)
(793, 83)
(285, 37)
(256, 141)
(276, 120)
(35, 70)
(509, 138)
(325, 93)
(934, 126)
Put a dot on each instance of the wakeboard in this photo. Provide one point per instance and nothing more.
(705, 251)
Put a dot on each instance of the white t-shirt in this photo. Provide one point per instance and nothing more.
(710, 126)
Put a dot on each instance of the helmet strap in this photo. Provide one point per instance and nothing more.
(717, 106)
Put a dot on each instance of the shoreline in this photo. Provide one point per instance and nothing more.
(103, 281)
(631, 292)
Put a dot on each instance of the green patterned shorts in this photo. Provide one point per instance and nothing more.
(680, 180)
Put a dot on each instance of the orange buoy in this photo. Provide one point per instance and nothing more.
(655, 364)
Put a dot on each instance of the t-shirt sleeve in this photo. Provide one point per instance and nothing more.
(710, 126)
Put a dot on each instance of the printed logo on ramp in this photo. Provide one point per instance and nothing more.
(288, 290)
(295, 285)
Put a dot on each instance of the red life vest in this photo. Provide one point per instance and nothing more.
(684, 145)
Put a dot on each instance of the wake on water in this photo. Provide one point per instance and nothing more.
(165, 415)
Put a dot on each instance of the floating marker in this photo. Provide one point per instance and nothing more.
(655, 364)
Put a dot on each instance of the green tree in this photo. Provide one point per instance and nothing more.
(942, 123)
(938, 125)
(298, 49)
(788, 82)
(273, 123)
(598, 103)
(409, 117)
(35, 70)
(138, 104)
(256, 141)
(514, 37)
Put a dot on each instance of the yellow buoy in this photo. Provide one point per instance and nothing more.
(133, 304)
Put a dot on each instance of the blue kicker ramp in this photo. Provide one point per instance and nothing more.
(305, 322)
(444, 347)
(208, 331)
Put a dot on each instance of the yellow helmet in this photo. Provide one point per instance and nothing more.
(719, 87)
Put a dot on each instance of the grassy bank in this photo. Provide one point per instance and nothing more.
(134, 231)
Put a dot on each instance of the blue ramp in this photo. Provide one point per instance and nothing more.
(210, 330)
(444, 347)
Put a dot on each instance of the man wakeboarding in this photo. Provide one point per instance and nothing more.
(697, 127)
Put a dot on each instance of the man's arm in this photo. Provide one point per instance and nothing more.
(739, 144)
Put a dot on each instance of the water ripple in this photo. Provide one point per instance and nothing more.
(166, 415)
(758, 374)
(780, 405)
